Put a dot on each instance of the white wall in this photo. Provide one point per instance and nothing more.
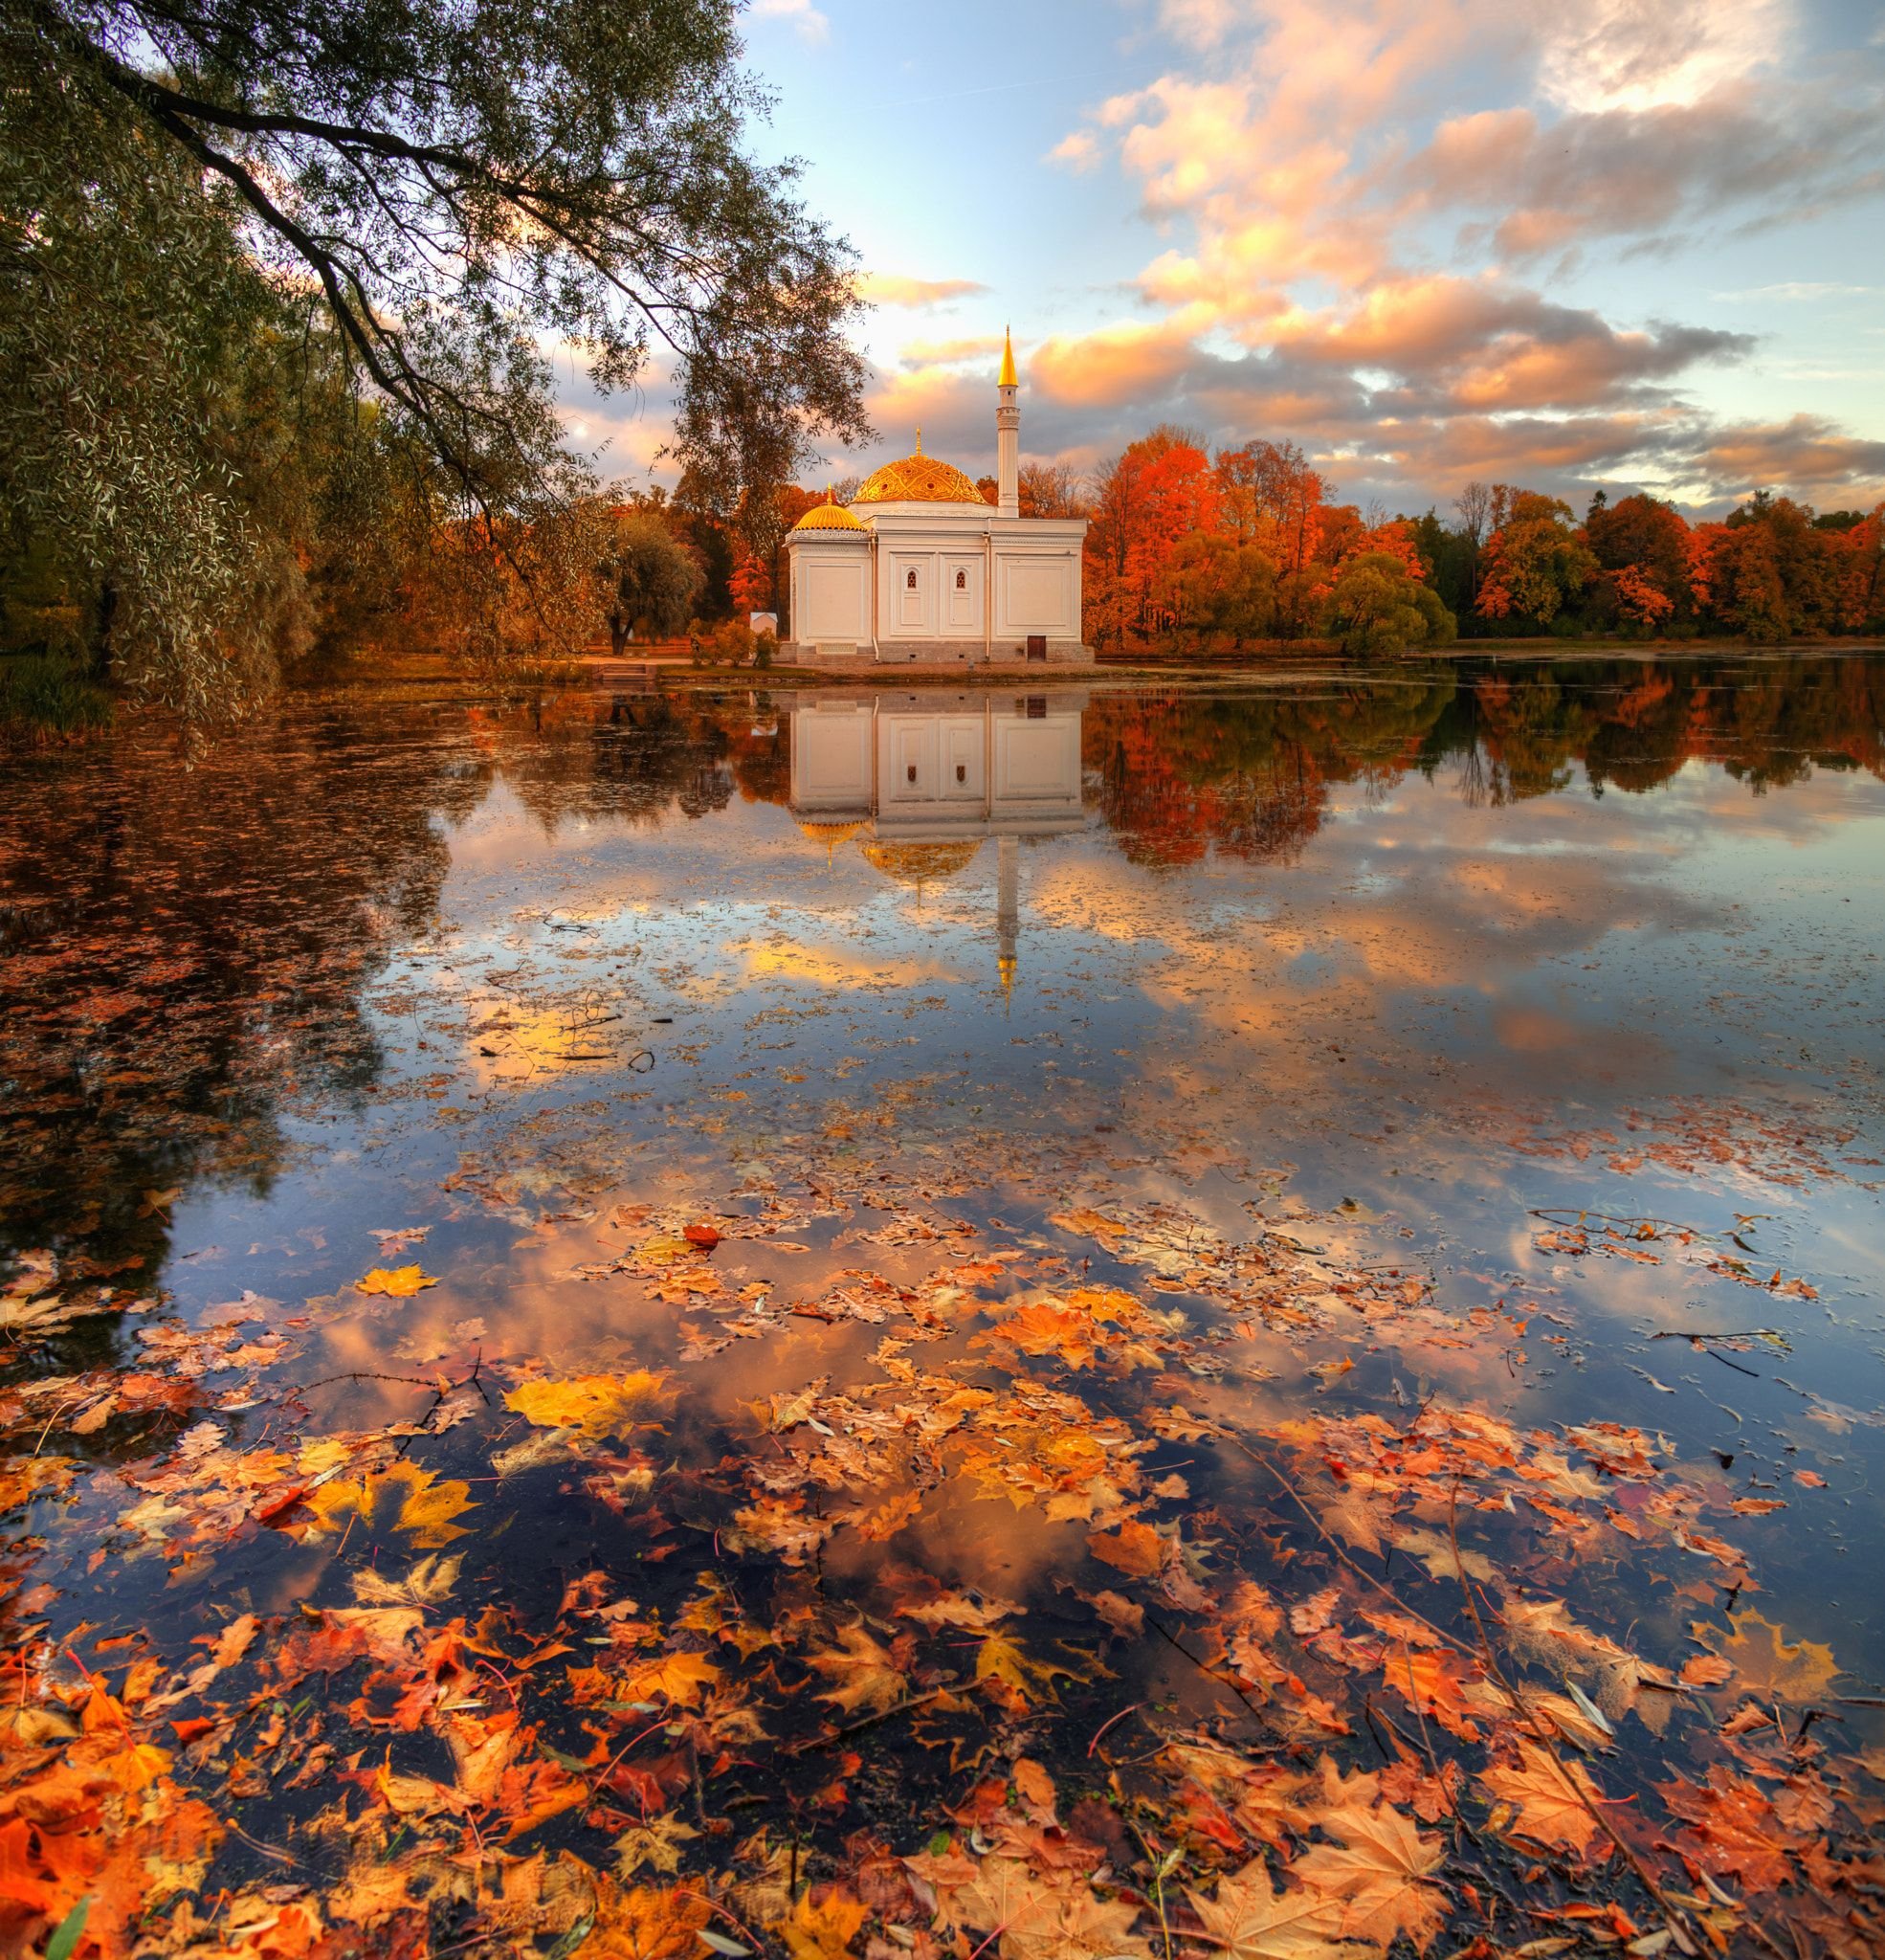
(832, 592)
(831, 758)
(1037, 592)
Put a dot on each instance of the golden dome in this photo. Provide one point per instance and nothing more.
(828, 517)
(918, 863)
(918, 480)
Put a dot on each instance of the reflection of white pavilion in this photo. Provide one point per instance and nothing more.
(931, 776)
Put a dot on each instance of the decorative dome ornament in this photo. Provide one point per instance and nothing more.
(828, 517)
(919, 478)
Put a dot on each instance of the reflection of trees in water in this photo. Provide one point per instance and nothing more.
(183, 951)
(1516, 733)
(184, 946)
(1181, 774)
(1177, 775)
(637, 758)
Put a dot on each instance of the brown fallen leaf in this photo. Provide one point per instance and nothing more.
(864, 1672)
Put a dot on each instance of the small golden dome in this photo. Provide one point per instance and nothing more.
(919, 864)
(828, 517)
(918, 480)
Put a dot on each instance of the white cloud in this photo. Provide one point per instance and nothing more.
(1639, 54)
(898, 289)
(810, 24)
(1797, 289)
(1078, 150)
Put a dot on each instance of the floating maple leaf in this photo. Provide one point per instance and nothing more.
(1251, 1922)
(1045, 1918)
(598, 1405)
(1135, 1548)
(865, 1673)
(1553, 1798)
(400, 1281)
(1733, 1830)
(403, 1498)
(1767, 1666)
(657, 1845)
(1381, 1871)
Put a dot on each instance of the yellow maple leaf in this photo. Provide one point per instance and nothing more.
(656, 1844)
(823, 1931)
(599, 1405)
(680, 1677)
(400, 1281)
(403, 1499)
(864, 1672)
(1002, 1659)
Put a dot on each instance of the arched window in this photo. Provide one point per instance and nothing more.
(961, 581)
(910, 580)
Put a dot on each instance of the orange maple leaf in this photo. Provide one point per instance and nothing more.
(1551, 1796)
(1381, 1871)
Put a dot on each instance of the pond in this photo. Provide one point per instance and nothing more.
(1243, 1319)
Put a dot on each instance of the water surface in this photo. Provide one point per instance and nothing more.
(1172, 1178)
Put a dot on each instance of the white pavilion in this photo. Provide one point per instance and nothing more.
(920, 569)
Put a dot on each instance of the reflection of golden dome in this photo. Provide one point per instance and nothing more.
(918, 480)
(828, 517)
(918, 863)
(829, 835)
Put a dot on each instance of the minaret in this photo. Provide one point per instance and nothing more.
(1008, 909)
(1008, 434)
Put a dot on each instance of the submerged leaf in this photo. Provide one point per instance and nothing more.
(403, 1498)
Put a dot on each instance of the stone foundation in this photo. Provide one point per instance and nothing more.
(920, 653)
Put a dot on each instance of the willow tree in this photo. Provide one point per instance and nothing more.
(429, 201)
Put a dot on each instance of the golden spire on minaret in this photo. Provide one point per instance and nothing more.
(1007, 376)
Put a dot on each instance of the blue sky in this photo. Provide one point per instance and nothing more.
(1637, 242)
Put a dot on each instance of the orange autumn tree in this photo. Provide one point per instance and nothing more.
(751, 585)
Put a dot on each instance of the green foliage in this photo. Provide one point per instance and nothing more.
(46, 693)
(1378, 605)
(650, 581)
(1225, 588)
(274, 284)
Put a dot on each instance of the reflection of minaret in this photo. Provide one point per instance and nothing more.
(1007, 907)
